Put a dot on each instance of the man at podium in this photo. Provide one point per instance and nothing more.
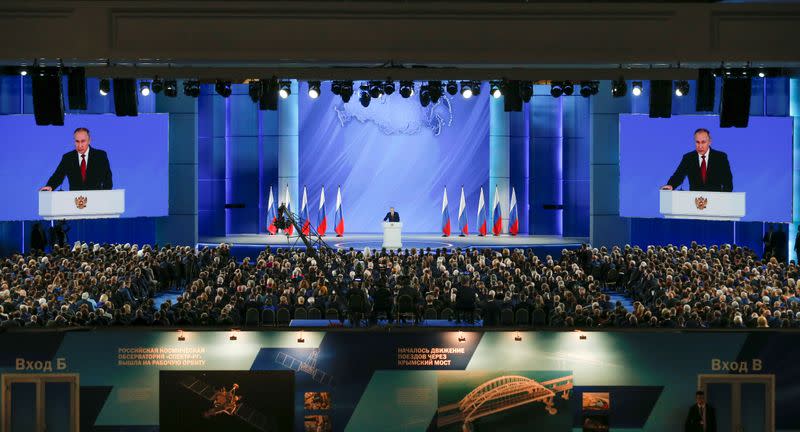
(392, 216)
(87, 168)
(707, 169)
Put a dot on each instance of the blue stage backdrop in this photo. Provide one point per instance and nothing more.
(760, 157)
(394, 153)
(137, 149)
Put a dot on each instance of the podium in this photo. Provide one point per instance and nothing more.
(722, 206)
(391, 235)
(89, 204)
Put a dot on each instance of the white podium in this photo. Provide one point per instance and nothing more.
(90, 204)
(391, 235)
(728, 206)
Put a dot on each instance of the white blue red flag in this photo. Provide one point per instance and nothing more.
(271, 214)
(321, 217)
(497, 223)
(481, 215)
(305, 222)
(463, 225)
(445, 215)
(513, 218)
(338, 218)
(287, 200)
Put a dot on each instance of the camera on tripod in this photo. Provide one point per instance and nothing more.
(281, 221)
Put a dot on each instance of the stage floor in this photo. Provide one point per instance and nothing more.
(374, 241)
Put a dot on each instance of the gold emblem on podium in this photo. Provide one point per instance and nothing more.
(701, 203)
(80, 202)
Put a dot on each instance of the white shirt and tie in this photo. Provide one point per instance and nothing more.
(81, 157)
(700, 159)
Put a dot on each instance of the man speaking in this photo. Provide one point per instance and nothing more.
(707, 169)
(86, 168)
(392, 216)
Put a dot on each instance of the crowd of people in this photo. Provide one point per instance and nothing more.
(672, 287)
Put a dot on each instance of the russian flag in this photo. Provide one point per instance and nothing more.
(497, 225)
(463, 225)
(445, 215)
(513, 219)
(305, 222)
(338, 217)
(289, 229)
(481, 215)
(323, 220)
(271, 214)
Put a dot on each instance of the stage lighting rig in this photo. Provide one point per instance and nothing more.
(158, 85)
(223, 88)
(568, 88)
(191, 88)
(284, 89)
(556, 89)
(637, 88)
(619, 88)
(388, 87)
(452, 88)
(495, 89)
(105, 87)
(375, 89)
(170, 88)
(424, 95)
(681, 88)
(346, 90)
(364, 96)
(406, 89)
(336, 87)
(144, 88)
(436, 89)
(313, 89)
(467, 89)
(526, 90)
(589, 88)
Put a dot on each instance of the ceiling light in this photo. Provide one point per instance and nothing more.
(495, 91)
(388, 87)
(637, 88)
(452, 88)
(313, 89)
(424, 95)
(191, 88)
(375, 89)
(568, 88)
(406, 89)
(681, 88)
(170, 88)
(336, 87)
(223, 88)
(467, 89)
(285, 89)
(346, 90)
(105, 87)
(144, 88)
(436, 90)
(556, 89)
(619, 88)
(158, 85)
(364, 96)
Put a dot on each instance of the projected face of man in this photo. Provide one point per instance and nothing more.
(81, 141)
(701, 142)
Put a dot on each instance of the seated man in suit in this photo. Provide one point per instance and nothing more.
(86, 168)
(707, 169)
(392, 216)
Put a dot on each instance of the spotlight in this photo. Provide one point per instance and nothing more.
(467, 89)
(375, 89)
(495, 91)
(313, 89)
(556, 89)
(234, 334)
(181, 337)
(336, 87)
(105, 87)
(144, 88)
(436, 90)
(346, 91)
(619, 88)
(517, 337)
(23, 72)
(568, 88)
(424, 95)
(461, 337)
(681, 88)
(761, 74)
(588, 88)
(476, 88)
(223, 88)
(158, 85)
(170, 88)
(637, 88)
(284, 89)
(452, 88)
(364, 96)
(526, 90)
(191, 88)
(254, 90)
(301, 337)
(388, 87)
(406, 89)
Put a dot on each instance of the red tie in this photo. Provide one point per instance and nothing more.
(83, 168)
(702, 169)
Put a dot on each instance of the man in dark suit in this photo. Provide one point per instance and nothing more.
(701, 417)
(86, 168)
(392, 216)
(707, 169)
